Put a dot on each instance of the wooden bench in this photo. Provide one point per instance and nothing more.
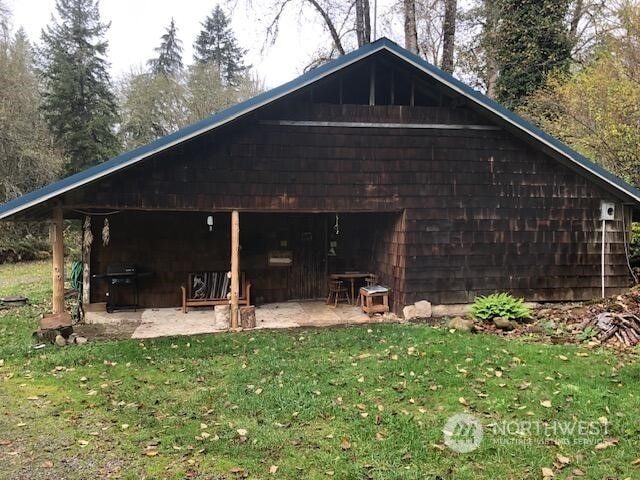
(207, 289)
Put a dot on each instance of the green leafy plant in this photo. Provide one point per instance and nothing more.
(587, 334)
(503, 305)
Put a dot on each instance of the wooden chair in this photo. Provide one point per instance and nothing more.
(336, 289)
(371, 280)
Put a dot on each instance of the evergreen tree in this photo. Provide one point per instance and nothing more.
(217, 45)
(169, 60)
(531, 41)
(78, 102)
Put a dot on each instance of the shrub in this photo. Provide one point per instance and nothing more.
(499, 305)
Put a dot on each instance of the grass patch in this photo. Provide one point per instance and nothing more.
(348, 403)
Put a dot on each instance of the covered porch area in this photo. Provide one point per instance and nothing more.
(285, 257)
(167, 322)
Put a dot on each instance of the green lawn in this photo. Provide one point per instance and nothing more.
(349, 403)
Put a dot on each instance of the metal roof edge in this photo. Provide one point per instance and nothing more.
(516, 120)
(225, 116)
(205, 125)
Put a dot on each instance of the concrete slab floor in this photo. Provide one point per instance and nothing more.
(164, 322)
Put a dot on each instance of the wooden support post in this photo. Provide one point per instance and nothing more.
(235, 266)
(57, 255)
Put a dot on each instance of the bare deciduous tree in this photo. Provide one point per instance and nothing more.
(449, 34)
(410, 30)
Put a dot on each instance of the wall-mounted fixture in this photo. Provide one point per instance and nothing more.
(280, 258)
(210, 222)
(607, 210)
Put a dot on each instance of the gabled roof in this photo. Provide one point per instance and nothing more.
(617, 185)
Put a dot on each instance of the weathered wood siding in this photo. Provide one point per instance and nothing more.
(482, 210)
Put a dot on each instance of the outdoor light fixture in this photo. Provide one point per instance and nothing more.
(210, 222)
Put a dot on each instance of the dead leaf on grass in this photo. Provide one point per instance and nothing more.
(345, 444)
(47, 464)
(547, 473)
(273, 469)
(546, 403)
(609, 442)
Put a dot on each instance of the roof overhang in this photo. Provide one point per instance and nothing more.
(616, 185)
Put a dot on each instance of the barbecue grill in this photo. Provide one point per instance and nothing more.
(121, 277)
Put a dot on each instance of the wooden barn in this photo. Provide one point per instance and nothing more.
(375, 162)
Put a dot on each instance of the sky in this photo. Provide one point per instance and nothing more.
(136, 27)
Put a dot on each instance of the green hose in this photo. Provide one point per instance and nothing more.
(75, 279)
(76, 276)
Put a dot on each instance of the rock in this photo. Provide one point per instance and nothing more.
(409, 312)
(504, 323)
(60, 341)
(461, 324)
(535, 329)
(390, 317)
(423, 309)
(81, 340)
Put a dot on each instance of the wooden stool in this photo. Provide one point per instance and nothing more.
(336, 289)
(367, 299)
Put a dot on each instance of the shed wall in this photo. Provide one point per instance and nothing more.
(483, 211)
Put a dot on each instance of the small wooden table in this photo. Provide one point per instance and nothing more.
(352, 277)
(367, 296)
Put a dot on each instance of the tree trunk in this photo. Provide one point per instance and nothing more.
(359, 23)
(366, 13)
(449, 34)
(410, 30)
(491, 66)
(363, 22)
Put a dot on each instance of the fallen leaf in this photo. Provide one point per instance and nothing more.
(577, 472)
(546, 403)
(636, 461)
(563, 358)
(203, 426)
(258, 391)
(242, 432)
(609, 442)
(273, 469)
(47, 464)
(562, 459)
(462, 401)
(547, 473)
(344, 444)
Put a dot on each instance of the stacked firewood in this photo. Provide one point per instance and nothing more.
(611, 327)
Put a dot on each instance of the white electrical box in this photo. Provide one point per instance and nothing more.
(607, 210)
